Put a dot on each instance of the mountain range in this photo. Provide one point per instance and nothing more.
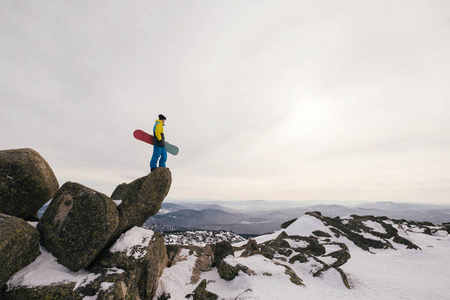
(259, 217)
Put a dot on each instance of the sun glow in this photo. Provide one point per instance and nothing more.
(309, 119)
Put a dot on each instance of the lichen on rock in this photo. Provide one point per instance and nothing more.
(77, 225)
(19, 246)
(26, 183)
(141, 199)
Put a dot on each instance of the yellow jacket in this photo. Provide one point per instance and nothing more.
(158, 132)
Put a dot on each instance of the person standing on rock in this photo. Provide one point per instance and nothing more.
(159, 149)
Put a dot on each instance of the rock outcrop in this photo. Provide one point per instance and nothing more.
(129, 270)
(19, 246)
(141, 254)
(354, 228)
(93, 245)
(26, 183)
(141, 199)
(78, 224)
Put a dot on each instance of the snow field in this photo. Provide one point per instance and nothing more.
(395, 274)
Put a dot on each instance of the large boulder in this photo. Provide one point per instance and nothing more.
(141, 199)
(78, 224)
(19, 246)
(26, 183)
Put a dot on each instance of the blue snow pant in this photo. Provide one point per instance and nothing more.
(157, 153)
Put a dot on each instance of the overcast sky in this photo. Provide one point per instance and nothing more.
(273, 100)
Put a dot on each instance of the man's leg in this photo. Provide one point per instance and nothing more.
(162, 161)
(155, 156)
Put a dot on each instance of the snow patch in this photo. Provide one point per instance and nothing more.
(136, 237)
(175, 279)
(114, 271)
(34, 224)
(45, 270)
(375, 226)
(297, 244)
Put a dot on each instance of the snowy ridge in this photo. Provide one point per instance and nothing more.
(332, 258)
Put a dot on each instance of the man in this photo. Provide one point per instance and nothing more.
(159, 150)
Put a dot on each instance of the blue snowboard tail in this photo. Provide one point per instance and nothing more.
(172, 149)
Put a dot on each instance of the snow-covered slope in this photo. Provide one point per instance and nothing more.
(334, 258)
(315, 257)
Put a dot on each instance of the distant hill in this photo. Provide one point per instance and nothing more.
(267, 216)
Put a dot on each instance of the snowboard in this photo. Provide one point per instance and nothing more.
(148, 138)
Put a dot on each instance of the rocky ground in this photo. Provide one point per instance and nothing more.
(315, 256)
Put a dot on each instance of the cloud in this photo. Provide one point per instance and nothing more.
(289, 101)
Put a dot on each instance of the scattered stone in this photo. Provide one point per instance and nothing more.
(341, 256)
(200, 293)
(26, 183)
(319, 233)
(278, 243)
(209, 251)
(251, 245)
(409, 245)
(344, 278)
(292, 275)
(252, 248)
(285, 252)
(226, 271)
(446, 227)
(173, 251)
(229, 272)
(202, 264)
(301, 258)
